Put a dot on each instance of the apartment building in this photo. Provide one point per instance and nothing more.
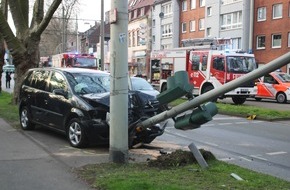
(165, 24)
(139, 36)
(192, 21)
(271, 30)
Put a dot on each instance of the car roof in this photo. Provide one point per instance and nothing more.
(71, 70)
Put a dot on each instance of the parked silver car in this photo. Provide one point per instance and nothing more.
(8, 68)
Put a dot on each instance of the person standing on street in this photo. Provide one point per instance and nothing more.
(8, 79)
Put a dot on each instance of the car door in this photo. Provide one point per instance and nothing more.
(38, 95)
(58, 102)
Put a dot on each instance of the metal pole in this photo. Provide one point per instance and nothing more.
(63, 26)
(272, 66)
(102, 36)
(119, 83)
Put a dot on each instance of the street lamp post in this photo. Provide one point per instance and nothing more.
(102, 36)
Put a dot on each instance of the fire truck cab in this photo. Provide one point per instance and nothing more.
(207, 70)
(211, 69)
(74, 60)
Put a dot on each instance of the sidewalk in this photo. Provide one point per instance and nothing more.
(26, 166)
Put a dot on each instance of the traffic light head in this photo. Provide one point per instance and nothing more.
(177, 86)
(199, 116)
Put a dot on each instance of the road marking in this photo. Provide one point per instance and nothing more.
(276, 153)
(225, 123)
(242, 122)
(211, 144)
(245, 159)
(258, 157)
(226, 159)
(225, 118)
(180, 135)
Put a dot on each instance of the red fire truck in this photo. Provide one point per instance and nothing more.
(207, 70)
(74, 60)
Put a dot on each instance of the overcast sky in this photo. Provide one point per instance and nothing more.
(91, 10)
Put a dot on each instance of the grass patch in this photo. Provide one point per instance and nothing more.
(140, 176)
(8, 111)
(245, 110)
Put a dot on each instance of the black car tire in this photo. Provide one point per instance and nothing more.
(76, 134)
(239, 100)
(25, 119)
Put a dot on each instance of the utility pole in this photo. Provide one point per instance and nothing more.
(63, 29)
(119, 82)
(102, 29)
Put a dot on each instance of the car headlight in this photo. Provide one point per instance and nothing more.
(108, 118)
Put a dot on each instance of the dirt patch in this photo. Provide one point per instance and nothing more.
(178, 158)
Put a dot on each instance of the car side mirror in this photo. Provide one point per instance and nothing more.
(60, 92)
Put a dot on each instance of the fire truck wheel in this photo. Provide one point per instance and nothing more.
(238, 100)
(164, 87)
(281, 97)
(209, 88)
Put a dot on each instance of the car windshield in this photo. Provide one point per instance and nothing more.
(240, 64)
(140, 84)
(87, 83)
(284, 77)
(85, 62)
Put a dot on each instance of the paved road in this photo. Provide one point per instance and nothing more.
(258, 145)
(265, 103)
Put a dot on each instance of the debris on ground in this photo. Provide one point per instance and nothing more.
(178, 158)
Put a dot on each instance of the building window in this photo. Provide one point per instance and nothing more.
(166, 30)
(133, 39)
(289, 10)
(138, 38)
(142, 11)
(184, 5)
(276, 40)
(261, 14)
(208, 32)
(167, 9)
(192, 4)
(153, 38)
(135, 13)
(231, 21)
(288, 39)
(192, 25)
(183, 27)
(209, 11)
(236, 43)
(261, 42)
(224, 2)
(153, 23)
(129, 39)
(277, 11)
(201, 3)
(201, 24)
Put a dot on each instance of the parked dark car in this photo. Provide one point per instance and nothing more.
(76, 102)
(140, 84)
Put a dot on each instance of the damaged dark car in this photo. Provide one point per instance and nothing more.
(76, 102)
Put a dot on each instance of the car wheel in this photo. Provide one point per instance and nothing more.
(25, 119)
(76, 134)
(239, 100)
(281, 97)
